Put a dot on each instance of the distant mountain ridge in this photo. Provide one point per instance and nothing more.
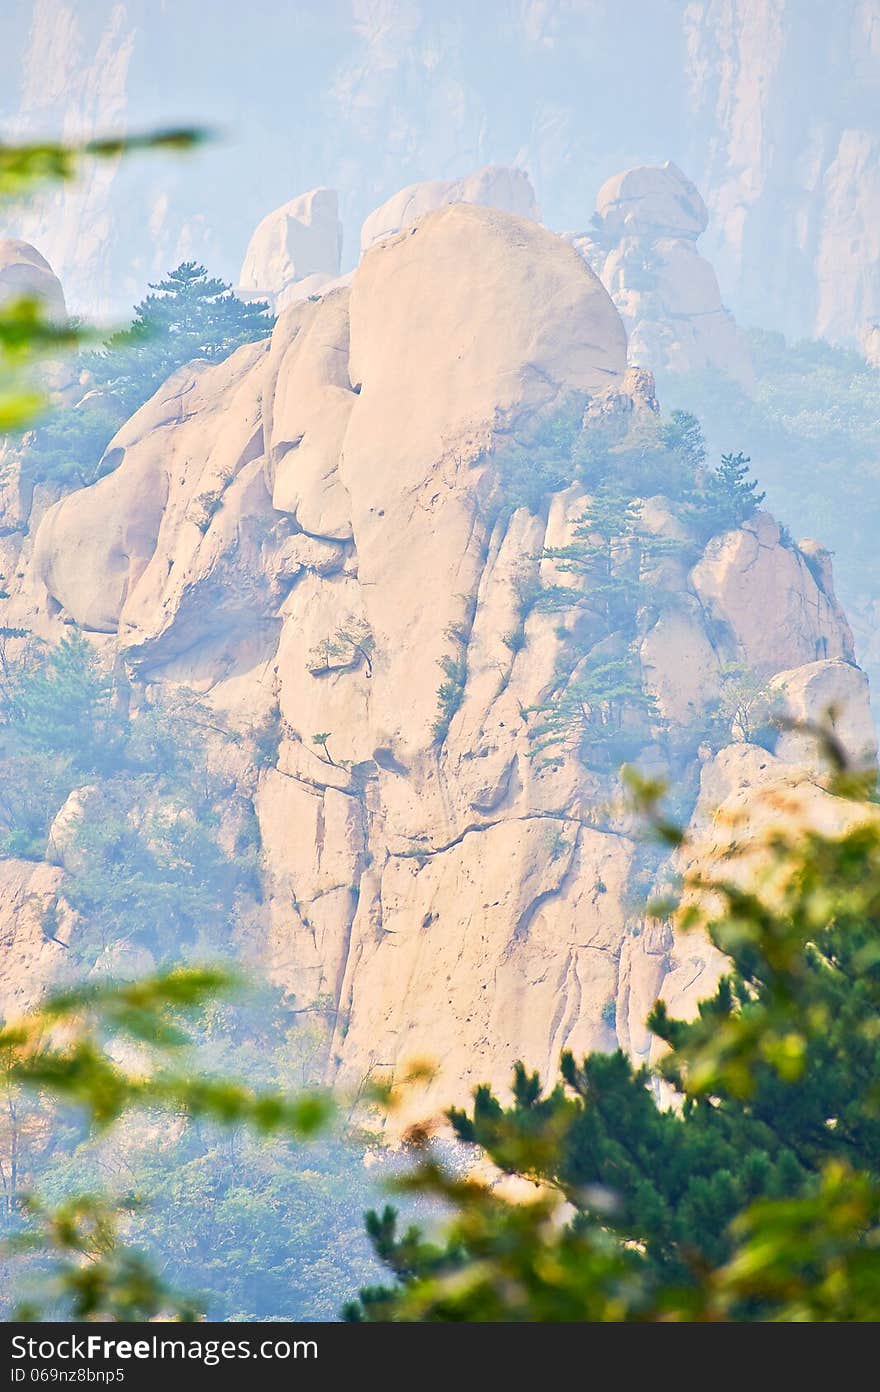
(435, 557)
(769, 107)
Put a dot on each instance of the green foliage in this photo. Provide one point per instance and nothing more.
(22, 167)
(150, 876)
(603, 715)
(322, 740)
(812, 422)
(607, 556)
(643, 454)
(58, 726)
(65, 706)
(613, 589)
(146, 858)
(69, 448)
(682, 435)
(350, 644)
(253, 1227)
(189, 315)
(27, 334)
(267, 737)
(498, 1261)
(639, 455)
(727, 498)
(353, 639)
(599, 710)
(756, 1198)
(744, 709)
(449, 694)
(69, 1049)
(538, 462)
(83, 1270)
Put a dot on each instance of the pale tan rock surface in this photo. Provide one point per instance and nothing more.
(494, 187)
(298, 243)
(309, 530)
(747, 797)
(24, 272)
(519, 325)
(29, 960)
(644, 248)
(833, 694)
(747, 575)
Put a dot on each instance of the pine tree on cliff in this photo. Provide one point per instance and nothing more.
(188, 315)
(758, 1196)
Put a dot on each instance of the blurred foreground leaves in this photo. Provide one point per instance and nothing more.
(751, 1191)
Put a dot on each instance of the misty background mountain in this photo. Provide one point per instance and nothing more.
(768, 108)
(305, 658)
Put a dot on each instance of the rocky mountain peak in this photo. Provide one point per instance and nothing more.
(436, 536)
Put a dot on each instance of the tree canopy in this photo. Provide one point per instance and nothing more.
(756, 1196)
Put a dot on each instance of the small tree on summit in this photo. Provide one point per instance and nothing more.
(189, 315)
(728, 497)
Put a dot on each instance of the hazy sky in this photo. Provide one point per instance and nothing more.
(770, 107)
(365, 96)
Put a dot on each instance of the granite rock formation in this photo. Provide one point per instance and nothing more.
(493, 187)
(294, 251)
(313, 533)
(643, 246)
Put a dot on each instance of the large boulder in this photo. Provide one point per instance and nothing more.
(651, 201)
(24, 272)
(294, 251)
(313, 532)
(830, 694)
(509, 323)
(643, 245)
(750, 573)
(165, 550)
(494, 187)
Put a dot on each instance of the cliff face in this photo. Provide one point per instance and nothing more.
(642, 245)
(784, 99)
(321, 535)
(769, 105)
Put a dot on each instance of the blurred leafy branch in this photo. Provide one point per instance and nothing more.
(757, 1197)
(92, 1272)
(112, 1049)
(25, 166)
(65, 1047)
(27, 334)
(751, 1191)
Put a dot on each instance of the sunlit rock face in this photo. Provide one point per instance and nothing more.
(24, 273)
(642, 244)
(28, 958)
(294, 251)
(769, 106)
(312, 528)
(508, 189)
